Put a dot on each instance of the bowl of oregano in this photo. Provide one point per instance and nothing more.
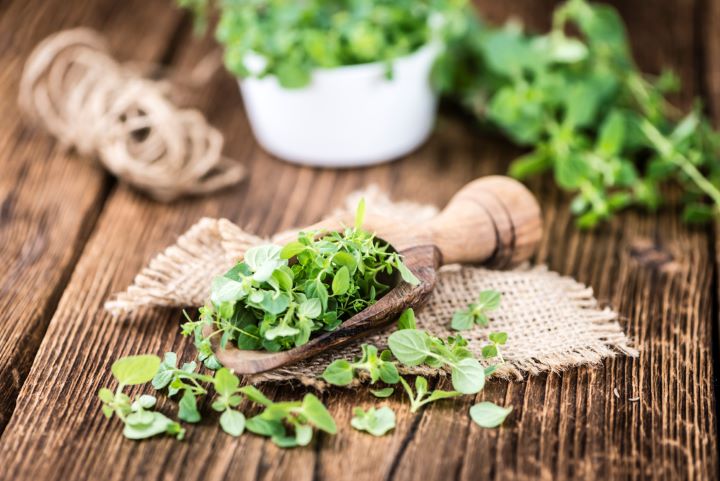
(334, 84)
(277, 297)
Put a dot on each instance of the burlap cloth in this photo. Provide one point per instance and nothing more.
(553, 322)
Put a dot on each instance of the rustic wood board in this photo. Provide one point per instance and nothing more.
(50, 200)
(658, 273)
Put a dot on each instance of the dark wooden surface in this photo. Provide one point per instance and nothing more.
(70, 235)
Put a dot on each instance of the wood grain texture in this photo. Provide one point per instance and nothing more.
(49, 200)
(658, 273)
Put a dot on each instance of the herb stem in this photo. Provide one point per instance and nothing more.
(700, 181)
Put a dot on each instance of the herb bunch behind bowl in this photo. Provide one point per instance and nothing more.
(294, 37)
(277, 297)
(585, 112)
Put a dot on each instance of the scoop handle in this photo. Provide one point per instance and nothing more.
(494, 221)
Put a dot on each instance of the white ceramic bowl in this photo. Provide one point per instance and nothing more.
(347, 116)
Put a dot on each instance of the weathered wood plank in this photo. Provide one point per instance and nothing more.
(49, 199)
(573, 425)
(564, 426)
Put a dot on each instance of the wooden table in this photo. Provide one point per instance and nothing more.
(70, 236)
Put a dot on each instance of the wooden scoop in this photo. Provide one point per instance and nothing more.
(493, 221)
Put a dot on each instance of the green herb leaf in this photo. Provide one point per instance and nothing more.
(462, 320)
(341, 281)
(488, 300)
(338, 372)
(265, 427)
(303, 434)
(468, 376)
(476, 313)
(498, 337)
(226, 383)
(187, 408)
(292, 249)
(407, 274)
(376, 422)
(437, 395)
(165, 372)
(106, 395)
(360, 214)
(419, 399)
(388, 372)
(132, 370)
(407, 320)
(383, 393)
(489, 415)
(155, 424)
(409, 346)
(255, 395)
(317, 414)
(311, 308)
(232, 422)
(489, 351)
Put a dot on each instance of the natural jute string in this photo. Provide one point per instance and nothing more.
(79, 93)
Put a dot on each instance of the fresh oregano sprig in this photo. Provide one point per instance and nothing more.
(277, 297)
(341, 372)
(301, 416)
(139, 420)
(421, 396)
(493, 348)
(477, 312)
(413, 347)
(374, 421)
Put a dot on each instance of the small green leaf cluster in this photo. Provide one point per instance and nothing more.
(277, 297)
(341, 372)
(492, 349)
(422, 396)
(374, 421)
(294, 38)
(603, 128)
(476, 313)
(413, 347)
(300, 417)
(136, 414)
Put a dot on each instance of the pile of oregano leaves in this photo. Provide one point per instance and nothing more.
(585, 112)
(277, 297)
(295, 37)
(292, 423)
